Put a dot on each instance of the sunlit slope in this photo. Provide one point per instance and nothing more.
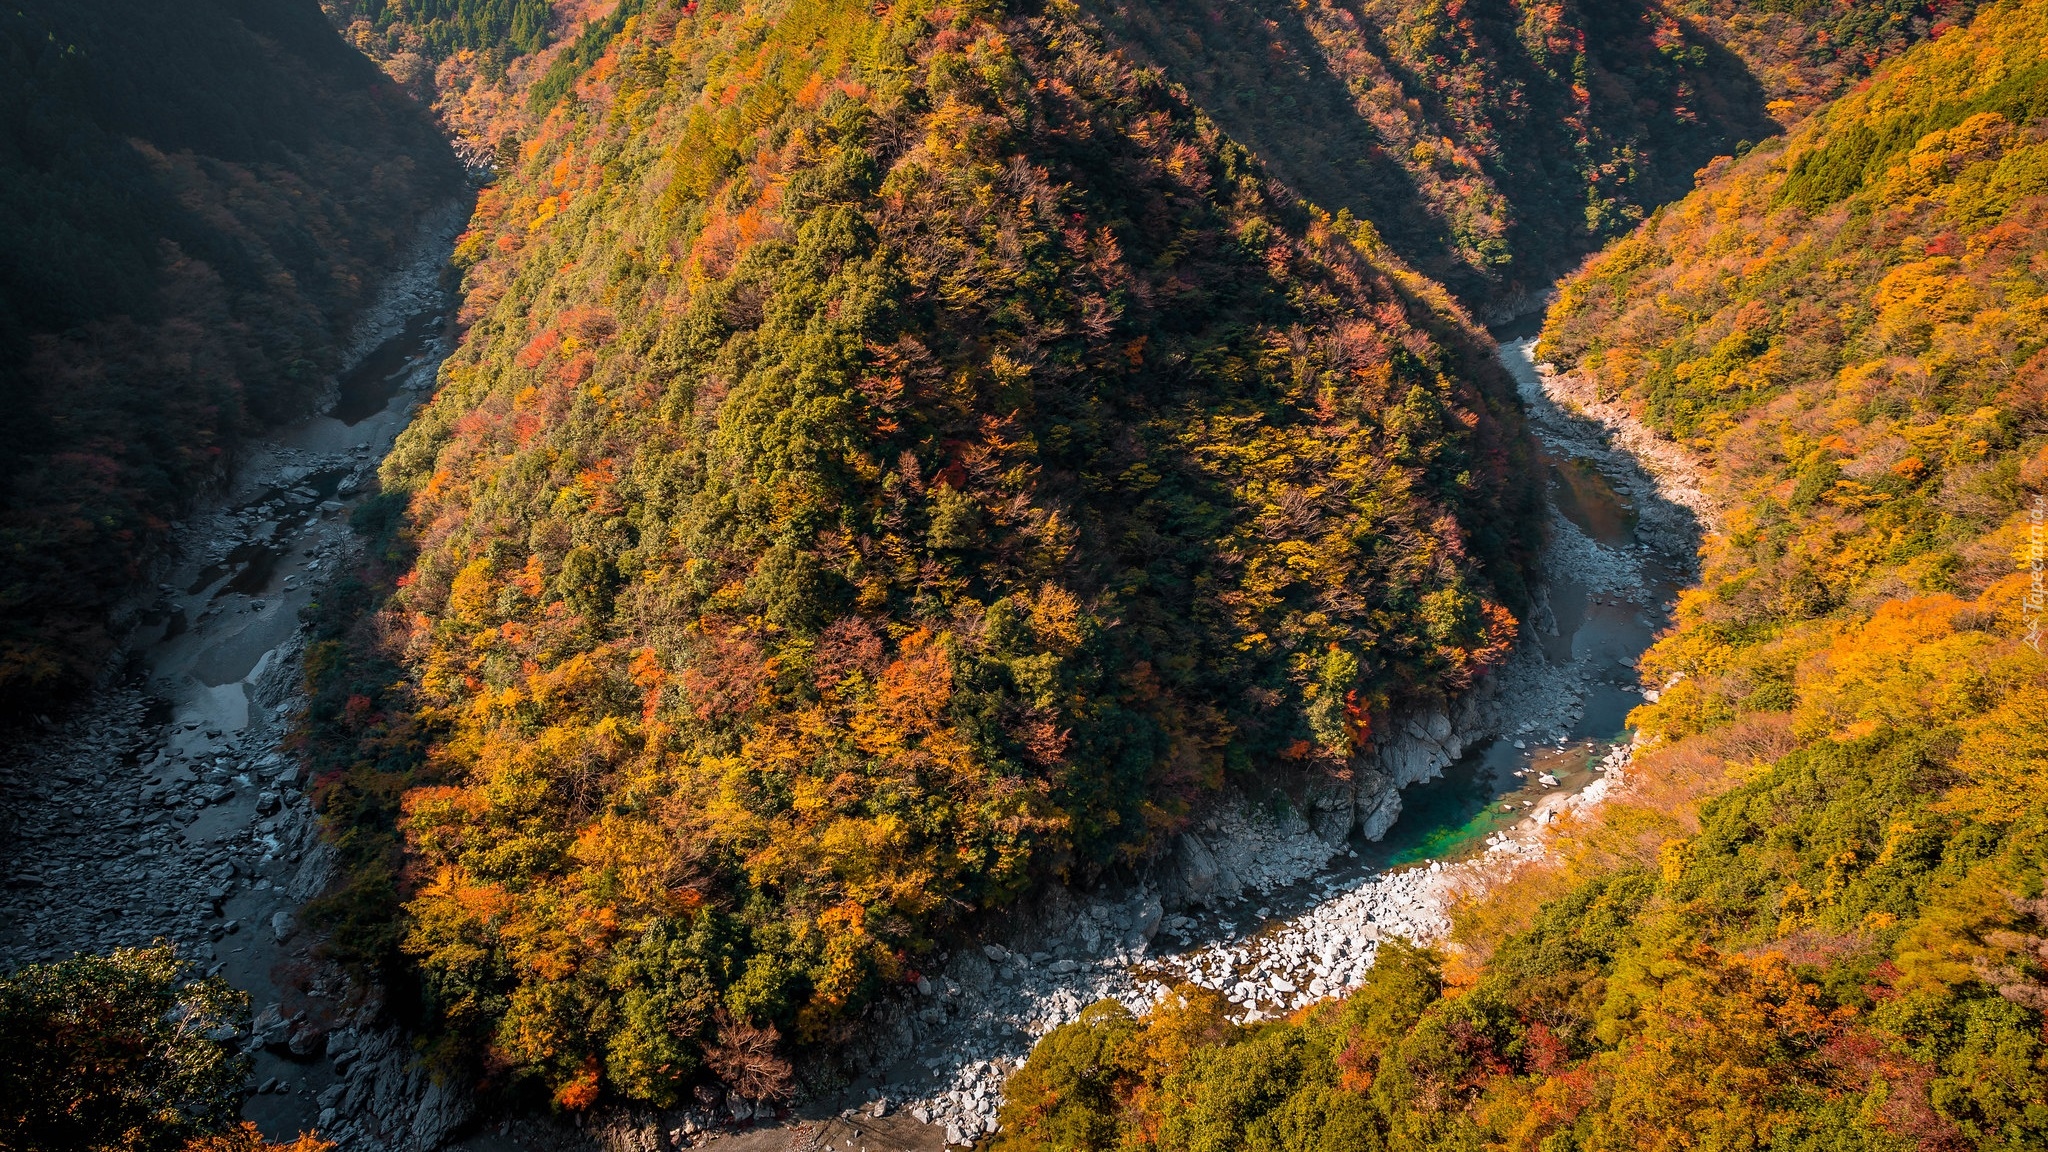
(1815, 919)
(1494, 144)
(1490, 144)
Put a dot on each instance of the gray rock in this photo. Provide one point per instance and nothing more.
(1378, 806)
(442, 1109)
(1149, 916)
(1332, 812)
(1198, 860)
(306, 1040)
(1439, 727)
(973, 972)
(1197, 866)
(268, 1029)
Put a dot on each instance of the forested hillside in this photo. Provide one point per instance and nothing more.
(895, 458)
(1817, 919)
(488, 68)
(1492, 144)
(193, 202)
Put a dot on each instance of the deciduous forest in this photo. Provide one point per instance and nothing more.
(899, 458)
(894, 461)
(1492, 144)
(856, 412)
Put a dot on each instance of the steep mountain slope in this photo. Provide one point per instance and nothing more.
(192, 205)
(1492, 144)
(1817, 919)
(895, 458)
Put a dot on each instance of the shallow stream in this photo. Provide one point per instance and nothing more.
(1601, 631)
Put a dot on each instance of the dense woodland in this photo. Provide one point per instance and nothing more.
(1490, 143)
(119, 1053)
(903, 454)
(894, 459)
(1818, 918)
(487, 68)
(899, 457)
(193, 203)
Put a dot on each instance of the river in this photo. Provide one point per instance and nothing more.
(165, 806)
(1548, 736)
(1607, 603)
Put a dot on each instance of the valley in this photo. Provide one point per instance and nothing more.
(939, 575)
(1276, 917)
(218, 847)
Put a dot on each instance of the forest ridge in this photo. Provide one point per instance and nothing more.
(1490, 144)
(822, 361)
(894, 461)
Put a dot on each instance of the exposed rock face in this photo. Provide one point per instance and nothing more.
(1332, 811)
(1417, 750)
(387, 1098)
(1200, 872)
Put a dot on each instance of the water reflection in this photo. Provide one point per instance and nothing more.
(370, 385)
(1588, 499)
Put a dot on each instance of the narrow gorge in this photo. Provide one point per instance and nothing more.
(1018, 574)
(1279, 904)
(172, 805)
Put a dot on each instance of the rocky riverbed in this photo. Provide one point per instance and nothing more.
(165, 808)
